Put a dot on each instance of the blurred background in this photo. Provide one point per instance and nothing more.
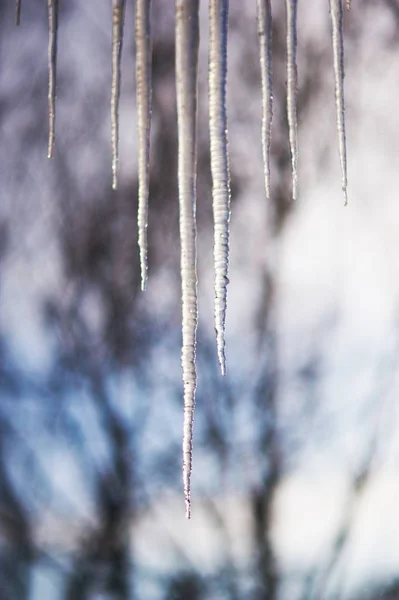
(296, 451)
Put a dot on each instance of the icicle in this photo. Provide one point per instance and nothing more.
(18, 12)
(348, 4)
(265, 47)
(52, 70)
(218, 26)
(187, 42)
(118, 16)
(143, 91)
(292, 87)
(338, 52)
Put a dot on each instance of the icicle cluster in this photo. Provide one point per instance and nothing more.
(187, 46)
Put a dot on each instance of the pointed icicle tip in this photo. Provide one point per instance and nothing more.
(292, 87)
(52, 71)
(187, 500)
(336, 11)
(187, 44)
(218, 27)
(18, 12)
(144, 106)
(118, 17)
(264, 17)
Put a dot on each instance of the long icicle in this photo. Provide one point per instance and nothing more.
(143, 94)
(338, 52)
(18, 12)
(187, 43)
(264, 13)
(52, 71)
(118, 17)
(292, 87)
(218, 27)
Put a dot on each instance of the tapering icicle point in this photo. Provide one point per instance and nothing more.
(292, 88)
(118, 17)
(218, 27)
(143, 94)
(264, 14)
(18, 12)
(187, 43)
(348, 4)
(52, 70)
(338, 53)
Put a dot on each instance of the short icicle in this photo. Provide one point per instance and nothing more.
(338, 52)
(18, 12)
(143, 93)
(118, 18)
(187, 43)
(218, 26)
(292, 88)
(52, 71)
(264, 13)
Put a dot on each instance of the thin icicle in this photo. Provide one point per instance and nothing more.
(143, 92)
(52, 70)
(18, 12)
(292, 87)
(218, 26)
(348, 4)
(118, 17)
(187, 43)
(265, 47)
(338, 52)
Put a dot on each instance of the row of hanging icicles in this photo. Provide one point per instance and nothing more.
(187, 44)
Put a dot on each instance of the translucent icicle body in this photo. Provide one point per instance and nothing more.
(292, 87)
(264, 13)
(143, 94)
(187, 42)
(338, 53)
(218, 25)
(18, 12)
(118, 17)
(52, 70)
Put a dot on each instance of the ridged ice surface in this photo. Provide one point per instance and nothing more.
(336, 10)
(118, 17)
(143, 95)
(292, 88)
(264, 15)
(187, 42)
(52, 70)
(218, 26)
